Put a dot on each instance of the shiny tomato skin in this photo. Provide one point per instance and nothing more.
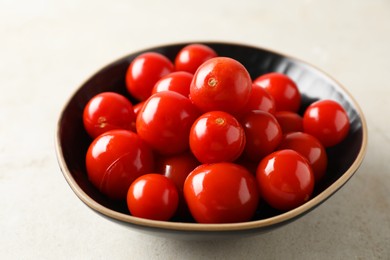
(221, 84)
(192, 56)
(178, 81)
(283, 89)
(312, 149)
(289, 121)
(259, 99)
(107, 111)
(165, 120)
(217, 136)
(285, 179)
(326, 120)
(221, 193)
(144, 71)
(153, 196)
(137, 107)
(115, 159)
(263, 134)
(177, 167)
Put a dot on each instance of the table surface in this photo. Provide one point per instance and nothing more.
(48, 48)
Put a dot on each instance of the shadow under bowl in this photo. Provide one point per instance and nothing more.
(344, 159)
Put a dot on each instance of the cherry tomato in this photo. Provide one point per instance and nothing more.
(221, 84)
(259, 99)
(221, 193)
(285, 179)
(137, 107)
(153, 196)
(115, 159)
(192, 56)
(144, 71)
(283, 89)
(107, 111)
(327, 121)
(177, 168)
(310, 148)
(289, 121)
(263, 134)
(178, 81)
(217, 137)
(165, 120)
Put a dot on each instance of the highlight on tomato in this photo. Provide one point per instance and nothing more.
(326, 120)
(115, 159)
(221, 84)
(221, 193)
(285, 179)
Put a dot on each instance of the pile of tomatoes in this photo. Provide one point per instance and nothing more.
(206, 140)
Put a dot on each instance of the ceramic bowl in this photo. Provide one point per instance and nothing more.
(344, 159)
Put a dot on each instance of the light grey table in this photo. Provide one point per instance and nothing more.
(48, 48)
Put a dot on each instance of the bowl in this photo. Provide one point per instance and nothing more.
(344, 159)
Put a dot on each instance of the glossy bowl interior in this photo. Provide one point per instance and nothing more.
(344, 159)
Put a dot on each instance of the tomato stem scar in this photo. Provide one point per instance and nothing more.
(212, 82)
(102, 122)
(219, 121)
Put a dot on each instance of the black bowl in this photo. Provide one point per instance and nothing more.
(344, 159)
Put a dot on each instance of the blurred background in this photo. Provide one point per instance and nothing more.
(49, 48)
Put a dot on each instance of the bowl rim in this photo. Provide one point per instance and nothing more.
(186, 226)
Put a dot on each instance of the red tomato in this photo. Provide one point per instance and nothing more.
(221, 84)
(327, 121)
(165, 122)
(221, 193)
(178, 81)
(177, 167)
(259, 99)
(285, 179)
(289, 121)
(217, 137)
(137, 107)
(115, 159)
(153, 196)
(192, 56)
(310, 148)
(283, 89)
(263, 134)
(144, 71)
(107, 111)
